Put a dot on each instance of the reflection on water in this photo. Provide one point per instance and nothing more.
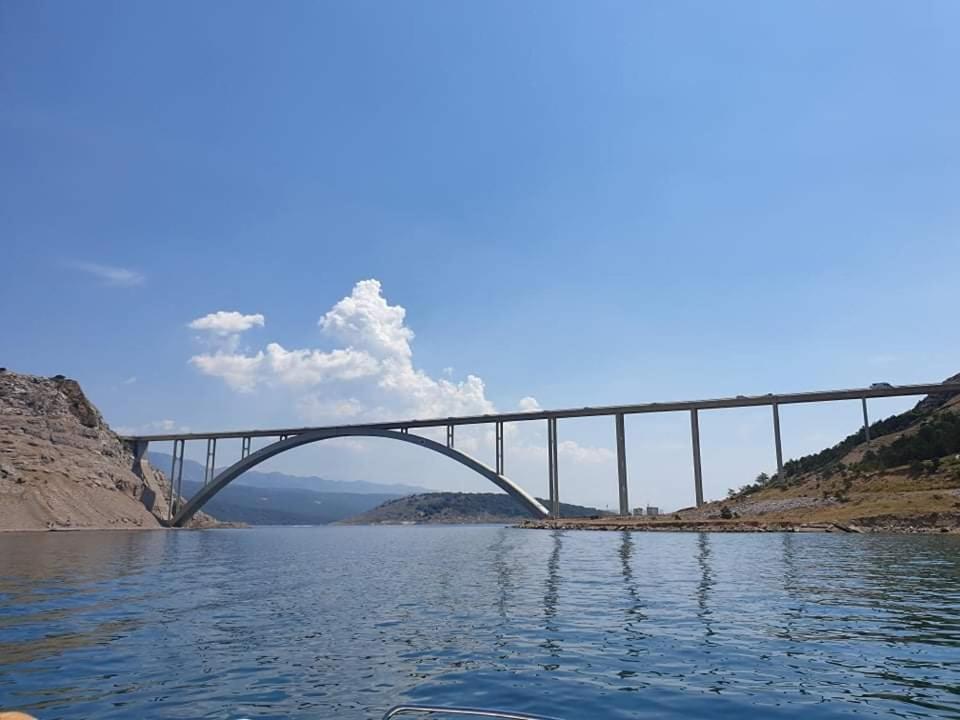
(706, 582)
(343, 622)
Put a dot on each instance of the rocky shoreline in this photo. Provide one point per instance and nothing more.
(930, 523)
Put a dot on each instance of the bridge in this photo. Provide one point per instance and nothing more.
(288, 438)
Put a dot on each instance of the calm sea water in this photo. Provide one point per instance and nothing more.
(342, 622)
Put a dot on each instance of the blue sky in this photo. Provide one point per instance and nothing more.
(581, 203)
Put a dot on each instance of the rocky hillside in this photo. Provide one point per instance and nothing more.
(456, 508)
(62, 467)
(908, 475)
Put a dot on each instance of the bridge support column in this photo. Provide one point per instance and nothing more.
(622, 466)
(139, 451)
(244, 447)
(210, 467)
(552, 467)
(697, 471)
(176, 479)
(866, 420)
(450, 436)
(498, 431)
(776, 439)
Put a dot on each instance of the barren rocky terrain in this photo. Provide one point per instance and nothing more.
(62, 467)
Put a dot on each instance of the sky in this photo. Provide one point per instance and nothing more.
(231, 215)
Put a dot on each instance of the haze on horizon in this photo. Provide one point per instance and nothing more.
(221, 216)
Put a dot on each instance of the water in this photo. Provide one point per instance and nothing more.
(342, 622)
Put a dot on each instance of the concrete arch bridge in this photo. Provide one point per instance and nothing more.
(289, 438)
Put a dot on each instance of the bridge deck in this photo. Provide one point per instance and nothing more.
(741, 401)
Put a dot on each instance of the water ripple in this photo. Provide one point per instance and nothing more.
(344, 622)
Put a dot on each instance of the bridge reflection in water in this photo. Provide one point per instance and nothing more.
(288, 438)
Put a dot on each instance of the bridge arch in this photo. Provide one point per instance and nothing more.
(253, 459)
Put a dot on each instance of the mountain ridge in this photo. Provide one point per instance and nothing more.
(255, 505)
(193, 470)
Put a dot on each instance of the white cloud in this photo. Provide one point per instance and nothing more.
(227, 323)
(367, 373)
(374, 372)
(529, 404)
(239, 371)
(584, 454)
(311, 367)
(111, 275)
(567, 450)
(130, 380)
(155, 427)
(365, 320)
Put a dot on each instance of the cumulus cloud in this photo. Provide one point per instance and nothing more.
(529, 404)
(312, 367)
(110, 274)
(371, 376)
(227, 323)
(583, 454)
(567, 450)
(364, 320)
(368, 375)
(240, 372)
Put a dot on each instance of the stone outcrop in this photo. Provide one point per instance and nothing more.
(61, 466)
(937, 400)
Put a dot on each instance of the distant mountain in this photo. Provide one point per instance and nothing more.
(284, 506)
(321, 484)
(194, 471)
(447, 507)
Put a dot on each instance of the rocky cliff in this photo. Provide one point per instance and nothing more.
(61, 466)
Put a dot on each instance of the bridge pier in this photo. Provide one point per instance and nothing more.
(450, 436)
(776, 439)
(622, 466)
(210, 467)
(498, 431)
(697, 471)
(176, 479)
(139, 448)
(552, 467)
(866, 420)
